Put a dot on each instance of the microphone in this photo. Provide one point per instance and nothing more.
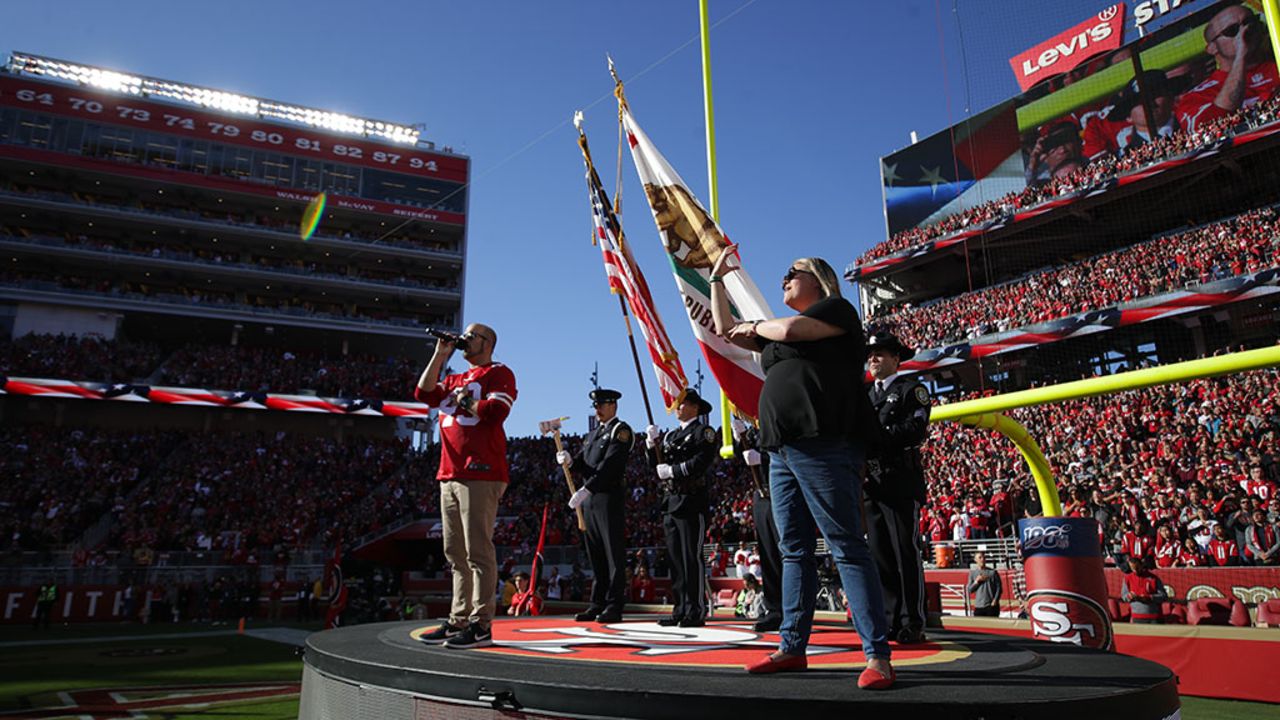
(458, 341)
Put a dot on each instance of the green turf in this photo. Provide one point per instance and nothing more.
(274, 710)
(1194, 708)
(32, 676)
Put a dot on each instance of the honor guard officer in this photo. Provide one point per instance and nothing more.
(895, 487)
(687, 455)
(600, 466)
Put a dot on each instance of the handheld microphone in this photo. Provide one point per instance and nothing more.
(458, 341)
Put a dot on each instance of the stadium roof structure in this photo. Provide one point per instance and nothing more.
(21, 63)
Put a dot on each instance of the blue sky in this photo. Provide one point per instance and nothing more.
(808, 96)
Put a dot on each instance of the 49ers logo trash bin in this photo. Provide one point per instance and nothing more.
(1066, 590)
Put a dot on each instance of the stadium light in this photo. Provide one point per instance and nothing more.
(114, 81)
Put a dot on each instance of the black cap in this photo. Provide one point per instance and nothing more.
(691, 395)
(1154, 82)
(1058, 133)
(884, 340)
(604, 395)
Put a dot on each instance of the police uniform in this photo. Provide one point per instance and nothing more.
(895, 491)
(690, 451)
(600, 467)
(767, 537)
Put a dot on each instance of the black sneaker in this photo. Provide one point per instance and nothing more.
(669, 622)
(768, 623)
(692, 622)
(609, 616)
(446, 631)
(588, 615)
(473, 637)
(911, 636)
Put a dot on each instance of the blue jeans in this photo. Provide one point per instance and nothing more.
(816, 484)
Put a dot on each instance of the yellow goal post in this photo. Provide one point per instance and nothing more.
(988, 412)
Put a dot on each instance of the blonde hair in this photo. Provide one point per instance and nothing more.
(827, 278)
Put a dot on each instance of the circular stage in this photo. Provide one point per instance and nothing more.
(555, 667)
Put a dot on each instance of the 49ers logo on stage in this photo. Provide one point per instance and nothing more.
(1068, 617)
(715, 645)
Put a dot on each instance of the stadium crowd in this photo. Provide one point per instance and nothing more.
(1191, 458)
(247, 497)
(1081, 175)
(1156, 467)
(1246, 243)
(216, 367)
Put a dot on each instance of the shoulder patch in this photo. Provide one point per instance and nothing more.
(709, 434)
(622, 433)
(922, 395)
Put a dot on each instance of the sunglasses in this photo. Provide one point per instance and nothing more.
(1231, 30)
(792, 273)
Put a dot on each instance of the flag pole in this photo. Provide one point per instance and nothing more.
(622, 302)
(635, 357)
(726, 445)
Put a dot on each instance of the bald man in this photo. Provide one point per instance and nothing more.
(473, 476)
(1236, 38)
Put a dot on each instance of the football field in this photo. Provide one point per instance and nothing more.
(198, 672)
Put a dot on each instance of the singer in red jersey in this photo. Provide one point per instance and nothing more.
(473, 476)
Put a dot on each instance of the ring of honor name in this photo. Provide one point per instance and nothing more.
(728, 645)
(1066, 589)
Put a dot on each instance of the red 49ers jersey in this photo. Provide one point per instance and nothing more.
(1195, 108)
(473, 447)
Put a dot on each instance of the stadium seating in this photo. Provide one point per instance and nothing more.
(1240, 245)
(1217, 611)
(213, 366)
(1269, 613)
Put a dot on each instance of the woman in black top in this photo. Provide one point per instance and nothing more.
(810, 424)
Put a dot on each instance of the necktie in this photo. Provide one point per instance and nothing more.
(879, 388)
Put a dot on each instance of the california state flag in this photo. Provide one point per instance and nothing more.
(693, 243)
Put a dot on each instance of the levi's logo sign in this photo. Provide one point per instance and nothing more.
(1064, 52)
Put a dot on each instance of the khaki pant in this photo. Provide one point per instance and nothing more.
(468, 509)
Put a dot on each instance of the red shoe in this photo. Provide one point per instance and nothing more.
(769, 665)
(872, 679)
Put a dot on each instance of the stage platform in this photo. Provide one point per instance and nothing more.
(555, 667)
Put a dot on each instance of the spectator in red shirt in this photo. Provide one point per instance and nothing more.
(1236, 38)
(642, 586)
(1191, 555)
(1166, 548)
(1223, 551)
(1136, 544)
(1143, 591)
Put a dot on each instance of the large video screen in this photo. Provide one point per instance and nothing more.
(1111, 113)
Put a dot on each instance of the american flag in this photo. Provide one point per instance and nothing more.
(626, 279)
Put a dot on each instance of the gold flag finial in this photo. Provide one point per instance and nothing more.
(618, 91)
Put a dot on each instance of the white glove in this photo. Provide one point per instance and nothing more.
(579, 497)
(564, 458)
(751, 456)
(651, 436)
(739, 427)
(665, 472)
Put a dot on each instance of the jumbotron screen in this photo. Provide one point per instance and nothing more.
(1095, 113)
